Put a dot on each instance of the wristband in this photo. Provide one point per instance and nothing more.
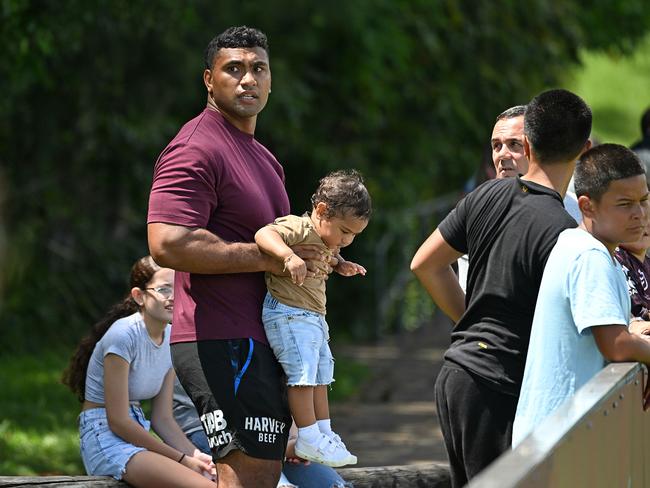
(182, 457)
(286, 261)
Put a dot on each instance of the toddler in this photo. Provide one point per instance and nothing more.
(294, 307)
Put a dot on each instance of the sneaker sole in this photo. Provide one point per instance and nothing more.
(331, 464)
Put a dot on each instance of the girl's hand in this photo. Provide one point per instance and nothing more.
(201, 463)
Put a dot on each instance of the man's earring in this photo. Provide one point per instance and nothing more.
(269, 90)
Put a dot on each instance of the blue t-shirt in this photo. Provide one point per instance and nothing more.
(582, 286)
(148, 362)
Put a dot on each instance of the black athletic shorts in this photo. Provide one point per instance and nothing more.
(239, 390)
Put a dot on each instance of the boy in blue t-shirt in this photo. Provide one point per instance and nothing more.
(583, 307)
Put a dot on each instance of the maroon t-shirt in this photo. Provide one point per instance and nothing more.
(637, 274)
(214, 176)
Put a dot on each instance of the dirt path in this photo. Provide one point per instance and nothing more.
(392, 420)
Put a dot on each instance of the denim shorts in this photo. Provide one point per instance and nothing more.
(299, 339)
(102, 452)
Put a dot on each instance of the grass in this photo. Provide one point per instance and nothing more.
(38, 433)
(38, 415)
(617, 90)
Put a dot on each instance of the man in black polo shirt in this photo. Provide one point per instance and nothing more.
(508, 227)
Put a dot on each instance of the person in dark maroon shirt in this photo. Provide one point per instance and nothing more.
(214, 186)
(636, 265)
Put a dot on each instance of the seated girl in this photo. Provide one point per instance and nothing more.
(124, 360)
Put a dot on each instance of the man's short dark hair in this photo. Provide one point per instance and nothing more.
(557, 124)
(234, 37)
(645, 123)
(601, 165)
(512, 112)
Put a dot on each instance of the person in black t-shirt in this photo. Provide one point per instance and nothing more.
(508, 227)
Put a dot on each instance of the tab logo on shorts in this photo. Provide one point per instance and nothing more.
(267, 428)
(214, 424)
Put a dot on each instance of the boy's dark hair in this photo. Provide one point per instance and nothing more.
(344, 194)
(234, 37)
(601, 165)
(557, 124)
(512, 112)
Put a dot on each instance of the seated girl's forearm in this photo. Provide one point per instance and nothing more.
(134, 433)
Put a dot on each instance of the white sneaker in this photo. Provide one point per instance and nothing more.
(335, 437)
(337, 440)
(324, 451)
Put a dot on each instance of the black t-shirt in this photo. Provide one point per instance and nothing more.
(508, 227)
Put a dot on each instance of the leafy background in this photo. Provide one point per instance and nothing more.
(405, 91)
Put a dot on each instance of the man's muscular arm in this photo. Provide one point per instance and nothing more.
(432, 266)
(198, 250)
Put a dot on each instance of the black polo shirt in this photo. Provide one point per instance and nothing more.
(508, 227)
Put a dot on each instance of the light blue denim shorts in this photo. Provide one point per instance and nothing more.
(299, 339)
(102, 452)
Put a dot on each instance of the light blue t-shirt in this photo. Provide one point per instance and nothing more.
(582, 286)
(148, 362)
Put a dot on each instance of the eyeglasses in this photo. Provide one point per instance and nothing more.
(164, 291)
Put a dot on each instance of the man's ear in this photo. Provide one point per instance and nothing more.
(526, 148)
(207, 81)
(588, 145)
(586, 206)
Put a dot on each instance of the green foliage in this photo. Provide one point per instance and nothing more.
(406, 91)
(616, 87)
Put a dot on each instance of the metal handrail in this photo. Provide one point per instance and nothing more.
(595, 439)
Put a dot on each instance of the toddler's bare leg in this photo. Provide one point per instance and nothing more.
(321, 402)
(301, 403)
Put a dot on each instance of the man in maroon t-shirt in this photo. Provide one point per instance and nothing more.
(214, 186)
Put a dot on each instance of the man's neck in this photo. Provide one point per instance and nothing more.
(555, 176)
(245, 125)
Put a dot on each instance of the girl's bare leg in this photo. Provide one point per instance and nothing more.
(148, 469)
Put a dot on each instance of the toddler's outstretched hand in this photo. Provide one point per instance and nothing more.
(348, 268)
